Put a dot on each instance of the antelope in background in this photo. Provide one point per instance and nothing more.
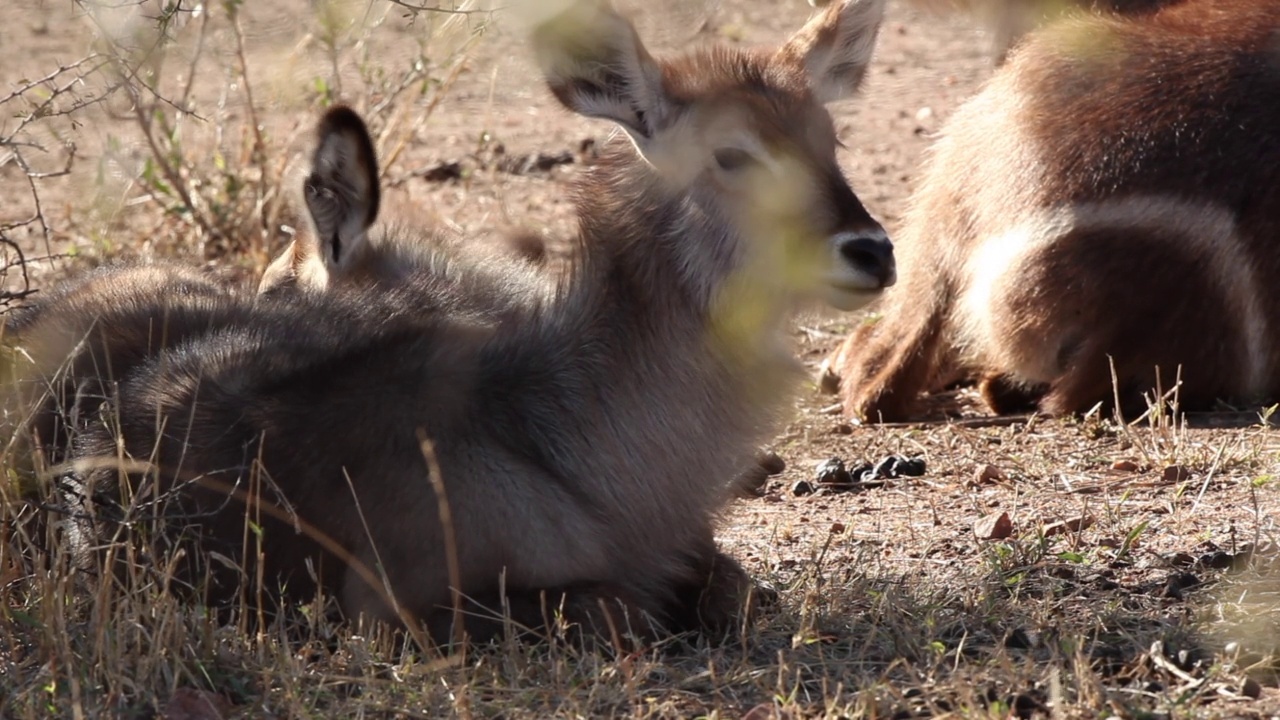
(1112, 194)
(577, 433)
(1007, 21)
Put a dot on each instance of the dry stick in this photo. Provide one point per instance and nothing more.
(255, 485)
(81, 466)
(171, 175)
(129, 73)
(1213, 468)
(441, 91)
(444, 11)
(195, 60)
(416, 71)
(377, 557)
(1152, 414)
(614, 636)
(22, 265)
(258, 144)
(450, 541)
(1124, 427)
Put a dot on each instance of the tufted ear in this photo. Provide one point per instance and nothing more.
(342, 196)
(835, 47)
(595, 65)
(342, 190)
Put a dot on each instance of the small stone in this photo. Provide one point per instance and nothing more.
(1125, 466)
(910, 467)
(924, 114)
(1019, 639)
(802, 488)
(837, 528)
(1105, 584)
(1177, 582)
(1068, 526)
(986, 474)
(832, 472)
(1251, 688)
(995, 526)
(1176, 474)
(883, 469)
(442, 172)
(863, 473)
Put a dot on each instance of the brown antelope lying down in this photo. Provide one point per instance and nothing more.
(580, 436)
(84, 336)
(344, 174)
(1112, 194)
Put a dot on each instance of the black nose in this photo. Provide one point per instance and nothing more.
(870, 254)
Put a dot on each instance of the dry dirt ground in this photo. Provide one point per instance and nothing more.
(1060, 568)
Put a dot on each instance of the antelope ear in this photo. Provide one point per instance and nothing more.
(342, 196)
(341, 192)
(835, 47)
(596, 66)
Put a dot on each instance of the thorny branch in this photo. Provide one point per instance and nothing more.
(38, 117)
(412, 7)
(38, 105)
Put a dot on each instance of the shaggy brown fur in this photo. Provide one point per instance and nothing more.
(70, 346)
(578, 433)
(1112, 194)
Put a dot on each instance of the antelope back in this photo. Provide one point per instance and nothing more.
(341, 244)
(1008, 21)
(76, 341)
(1112, 195)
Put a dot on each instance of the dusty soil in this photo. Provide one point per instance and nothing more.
(1153, 513)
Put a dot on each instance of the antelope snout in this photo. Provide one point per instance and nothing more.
(863, 267)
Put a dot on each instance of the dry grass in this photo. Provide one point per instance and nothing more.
(1159, 597)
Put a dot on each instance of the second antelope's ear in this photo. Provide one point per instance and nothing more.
(341, 191)
(835, 47)
(595, 65)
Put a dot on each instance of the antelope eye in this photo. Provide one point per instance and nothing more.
(731, 159)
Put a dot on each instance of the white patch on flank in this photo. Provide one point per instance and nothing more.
(1208, 228)
(996, 257)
